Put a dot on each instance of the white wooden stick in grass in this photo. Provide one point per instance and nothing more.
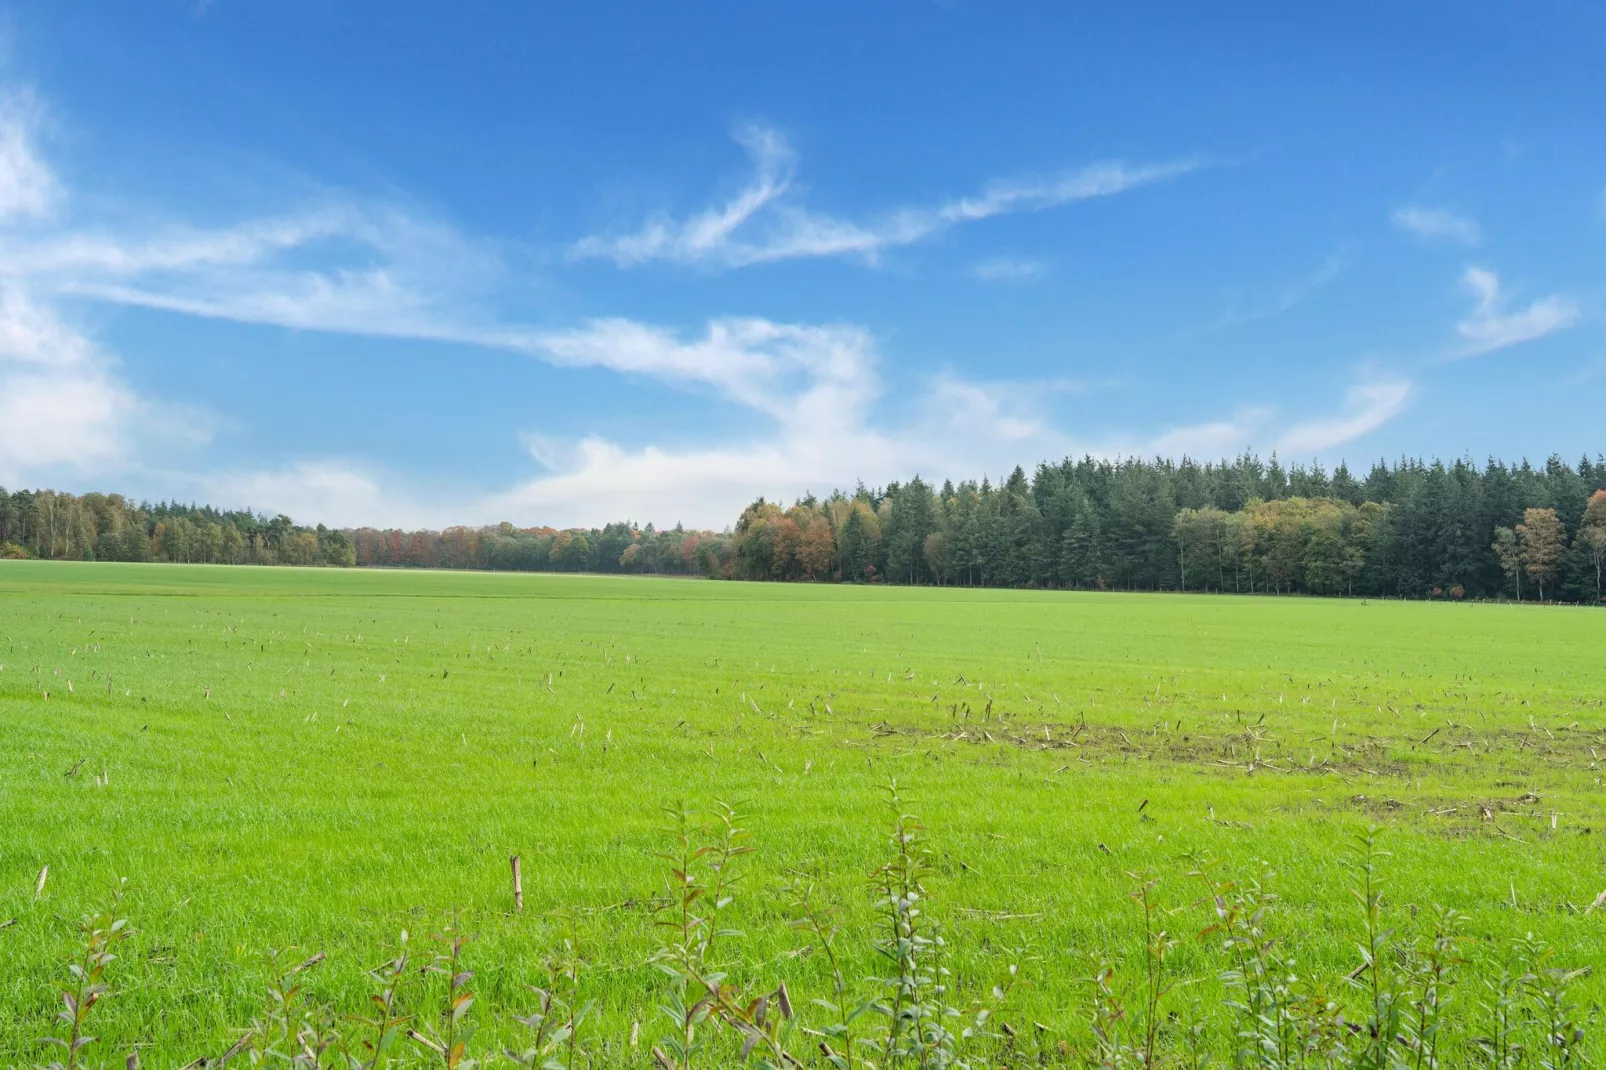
(518, 884)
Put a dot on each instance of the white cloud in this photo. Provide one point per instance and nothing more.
(333, 492)
(547, 451)
(819, 388)
(816, 384)
(1490, 327)
(53, 420)
(1369, 406)
(700, 487)
(817, 375)
(63, 406)
(1212, 439)
(27, 187)
(30, 334)
(1435, 224)
(1008, 269)
(759, 224)
(59, 405)
(1003, 411)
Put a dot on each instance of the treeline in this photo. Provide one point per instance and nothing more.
(110, 527)
(619, 547)
(1413, 529)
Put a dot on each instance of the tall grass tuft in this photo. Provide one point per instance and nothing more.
(1396, 1010)
(448, 1037)
(554, 1025)
(100, 932)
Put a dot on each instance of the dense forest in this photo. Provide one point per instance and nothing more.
(1413, 529)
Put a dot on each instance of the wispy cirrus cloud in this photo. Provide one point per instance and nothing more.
(1589, 370)
(1368, 406)
(1009, 269)
(1492, 326)
(334, 263)
(340, 265)
(28, 188)
(1292, 294)
(815, 378)
(763, 222)
(1437, 224)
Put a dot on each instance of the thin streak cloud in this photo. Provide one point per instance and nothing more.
(763, 223)
(1437, 224)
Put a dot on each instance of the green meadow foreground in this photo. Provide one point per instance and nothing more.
(313, 761)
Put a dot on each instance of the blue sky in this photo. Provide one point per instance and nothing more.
(401, 263)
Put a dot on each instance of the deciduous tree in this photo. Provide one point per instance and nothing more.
(1508, 548)
(1544, 546)
(1592, 534)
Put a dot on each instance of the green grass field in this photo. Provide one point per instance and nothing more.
(317, 760)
